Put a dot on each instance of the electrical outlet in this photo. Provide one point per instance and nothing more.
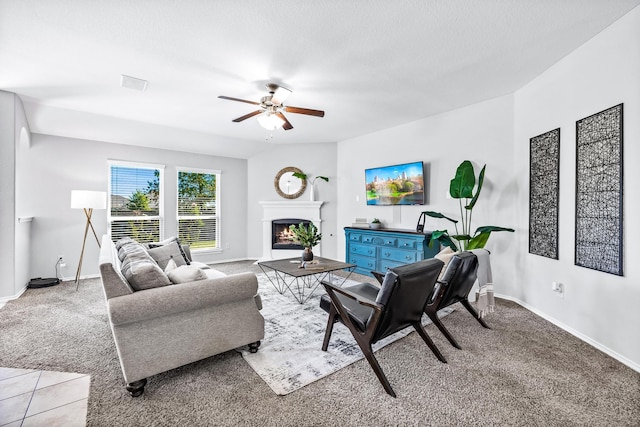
(227, 245)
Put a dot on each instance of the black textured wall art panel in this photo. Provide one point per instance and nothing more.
(544, 191)
(599, 237)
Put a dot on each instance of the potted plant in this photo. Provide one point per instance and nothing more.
(307, 236)
(461, 188)
(312, 190)
(375, 223)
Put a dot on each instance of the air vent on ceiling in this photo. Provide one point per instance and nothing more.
(133, 83)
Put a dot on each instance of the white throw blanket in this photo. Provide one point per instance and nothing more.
(486, 301)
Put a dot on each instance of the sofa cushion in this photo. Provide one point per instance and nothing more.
(162, 255)
(169, 241)
(140, 270)
(185, 274)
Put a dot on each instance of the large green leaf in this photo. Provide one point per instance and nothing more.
(462, 184)
(491, 228)
(439, 215)
(442, 236)
(482, 234)
(475, 197)
(478, 241)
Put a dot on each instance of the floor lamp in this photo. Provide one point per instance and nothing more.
(88, 201)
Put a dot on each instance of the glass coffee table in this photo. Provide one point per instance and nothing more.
(302, 279)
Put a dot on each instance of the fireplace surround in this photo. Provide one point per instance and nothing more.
(294, 212)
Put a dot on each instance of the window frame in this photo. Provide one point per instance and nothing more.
(217, 216)
(161, 190)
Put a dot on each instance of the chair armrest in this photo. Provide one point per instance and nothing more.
(378, 275)
(172, 299)
(360, 299)
(437, 293)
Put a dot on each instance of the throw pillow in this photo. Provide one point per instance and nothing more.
(168, 241)
(186, 273)
(171, 265)
(162, 255)
(445, 256)
(140, 270)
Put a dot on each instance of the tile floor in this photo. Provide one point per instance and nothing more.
(43, 398)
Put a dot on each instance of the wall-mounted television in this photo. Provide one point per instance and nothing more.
(396, 185)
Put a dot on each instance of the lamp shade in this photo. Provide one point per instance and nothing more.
(81, 199)
(270, 121)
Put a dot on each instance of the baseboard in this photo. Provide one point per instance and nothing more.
(620, 358)
(4, 300)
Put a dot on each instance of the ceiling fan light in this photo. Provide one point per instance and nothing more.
(270, 121)
(280, 95)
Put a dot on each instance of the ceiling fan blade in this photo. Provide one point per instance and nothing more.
(238, 99)
(286, 125)
(247, 116)
(280, 95)
(307, 111)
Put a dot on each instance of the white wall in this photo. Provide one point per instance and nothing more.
(14, 236)
(312, 159)
(481, 133)
(53, 166)
(600, 307)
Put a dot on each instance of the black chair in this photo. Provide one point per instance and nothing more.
(458, 279)
(372, 312)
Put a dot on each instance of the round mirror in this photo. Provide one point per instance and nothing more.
(289, 186)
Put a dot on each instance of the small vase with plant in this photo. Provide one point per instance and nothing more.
(312, 188)
(461, 188)
(375, 223)
(307, 236)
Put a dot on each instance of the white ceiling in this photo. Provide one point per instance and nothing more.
(370, 64)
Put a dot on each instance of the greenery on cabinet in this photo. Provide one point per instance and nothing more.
(461, 188)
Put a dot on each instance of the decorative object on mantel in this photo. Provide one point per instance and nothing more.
(288, 184)
(599, 196)
(375, 223)
(307, 236)
(461, 187)
(544, 193)
(88, 201)
(312, 193)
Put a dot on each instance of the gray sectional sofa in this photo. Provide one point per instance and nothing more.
(162, 327)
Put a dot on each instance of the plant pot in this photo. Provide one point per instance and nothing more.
(307, 255)
(375, 225)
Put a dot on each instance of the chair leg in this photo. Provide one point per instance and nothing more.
(253, 347)
(436, 321)
(427, 339)
(474, 313)
(333, 313)
(368, 354)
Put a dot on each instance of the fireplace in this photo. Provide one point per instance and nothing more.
(281, 237)
(277, 216)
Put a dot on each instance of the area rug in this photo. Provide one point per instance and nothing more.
(290, 356)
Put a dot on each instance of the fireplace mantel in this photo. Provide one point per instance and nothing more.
(280, 209)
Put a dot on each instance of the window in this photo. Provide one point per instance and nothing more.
(198, 208)
(135, 202)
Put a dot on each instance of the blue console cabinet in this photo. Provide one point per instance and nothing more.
(380, 249)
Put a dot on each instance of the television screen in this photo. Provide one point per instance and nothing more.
(395, 185)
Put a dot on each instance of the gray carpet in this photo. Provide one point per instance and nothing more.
(525, 371)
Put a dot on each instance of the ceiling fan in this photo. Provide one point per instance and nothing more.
(271, 108)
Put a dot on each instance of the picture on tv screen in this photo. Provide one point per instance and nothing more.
(395, 185)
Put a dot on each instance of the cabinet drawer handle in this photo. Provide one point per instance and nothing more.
(369, 251)
(408, 258)
(406, 244)
(387, 254)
